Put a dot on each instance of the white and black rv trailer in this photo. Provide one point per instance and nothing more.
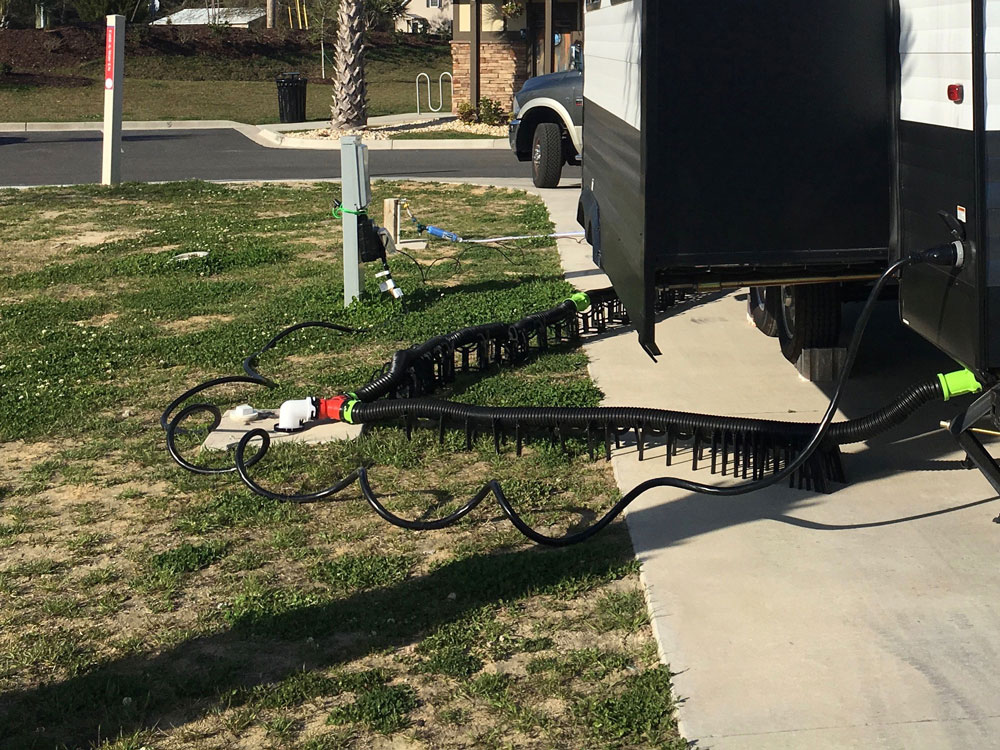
(730, 143)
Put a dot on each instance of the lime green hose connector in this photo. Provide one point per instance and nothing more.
(581, 300)
(348, 409)
(958, 384)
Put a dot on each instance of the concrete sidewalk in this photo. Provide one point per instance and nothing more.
(272, 136)
(867, 618)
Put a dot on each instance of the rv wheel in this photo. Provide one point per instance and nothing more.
(546, 155)
(764, 307)
(809, 319)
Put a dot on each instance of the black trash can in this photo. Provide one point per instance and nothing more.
(291, 97)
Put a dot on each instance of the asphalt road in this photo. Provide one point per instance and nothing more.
(63, 158)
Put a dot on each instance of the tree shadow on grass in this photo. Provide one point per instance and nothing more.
(276, 638)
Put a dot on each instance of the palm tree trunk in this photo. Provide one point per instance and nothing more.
(349, 108)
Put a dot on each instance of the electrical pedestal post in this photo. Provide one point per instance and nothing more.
(356, 194)
(114, 72)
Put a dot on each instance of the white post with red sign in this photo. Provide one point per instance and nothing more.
(114, 73)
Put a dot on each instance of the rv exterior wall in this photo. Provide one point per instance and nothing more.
(935, 50)
(992, 43)
(612, 53)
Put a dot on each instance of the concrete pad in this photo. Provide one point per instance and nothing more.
(230, 431)
(867, 618)
(410, 246)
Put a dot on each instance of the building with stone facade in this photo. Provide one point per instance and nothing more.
(426, 15)
(498, 45)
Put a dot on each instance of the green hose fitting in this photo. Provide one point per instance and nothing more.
(346, 413)
(581, 300)
(958, 384)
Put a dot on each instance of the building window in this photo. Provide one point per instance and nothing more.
(433, 3)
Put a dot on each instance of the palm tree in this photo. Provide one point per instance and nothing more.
(349, 109)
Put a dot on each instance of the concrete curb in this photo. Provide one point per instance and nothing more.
(265, 135)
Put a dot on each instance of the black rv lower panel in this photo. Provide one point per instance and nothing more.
(613, 209)
(937, 173)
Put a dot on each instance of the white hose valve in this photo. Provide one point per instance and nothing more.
(294, 414)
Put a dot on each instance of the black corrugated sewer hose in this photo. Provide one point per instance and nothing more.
(773, 451)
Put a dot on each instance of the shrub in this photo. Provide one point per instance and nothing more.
(468, 113)
(492, 112)
(489, 112)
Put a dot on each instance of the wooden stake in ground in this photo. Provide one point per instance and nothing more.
(349, 109)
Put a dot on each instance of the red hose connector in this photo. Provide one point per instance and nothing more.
(332, 408)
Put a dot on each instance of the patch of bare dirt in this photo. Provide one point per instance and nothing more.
(195, 323)
(18, 457)
(98, 321)
(30, 255)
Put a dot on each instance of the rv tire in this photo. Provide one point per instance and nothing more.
(809, 318)
(764, 307)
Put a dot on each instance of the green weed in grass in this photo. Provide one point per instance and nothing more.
(259, 605)
(304, 686)
(188, 558)
(246, 559)
(8, 531)
(43, 566)
(497, 690)
(281, 728)
(590, 664)
(338, 740)
(135, 741)
(640, 711)
(100, 576)
(86, 543)
(61, 606)
(625, 610)
(359, 572)
(382, 708)
(55, 650)
(235, 507)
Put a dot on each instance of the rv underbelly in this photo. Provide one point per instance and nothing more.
(732, 141)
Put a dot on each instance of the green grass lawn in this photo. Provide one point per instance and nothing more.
(142, 606)
(183, 88)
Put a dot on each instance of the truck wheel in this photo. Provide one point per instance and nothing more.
(546, 155)
(764, 307)
(809, 318)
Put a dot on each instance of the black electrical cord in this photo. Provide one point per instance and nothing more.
(250, 363)
(242, 465)
(683, 484)
(456, 259)
(404, 361)
(855, 429)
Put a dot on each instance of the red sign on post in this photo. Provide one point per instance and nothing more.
(109, 58)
